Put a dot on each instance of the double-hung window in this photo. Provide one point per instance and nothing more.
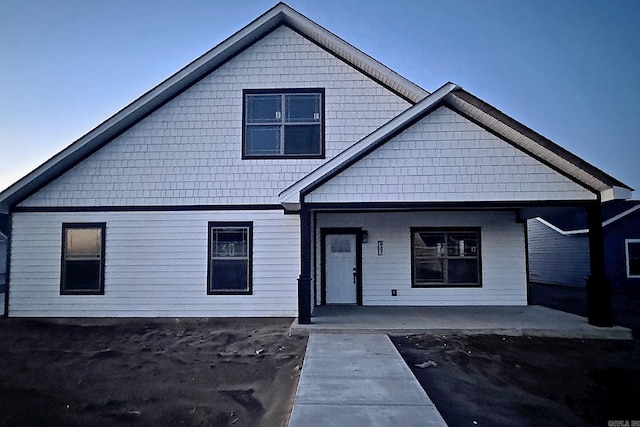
(230, 252)
(82, 270)
(283, 123)
(449, 257)
(632, 252)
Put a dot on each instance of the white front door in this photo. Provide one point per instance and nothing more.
(340, 269)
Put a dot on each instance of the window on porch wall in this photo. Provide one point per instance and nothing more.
(445, 258)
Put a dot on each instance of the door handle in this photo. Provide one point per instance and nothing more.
(354, 275)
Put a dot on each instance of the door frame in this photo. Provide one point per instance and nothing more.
(357, 232)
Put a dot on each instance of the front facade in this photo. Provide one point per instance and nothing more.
(285, 169)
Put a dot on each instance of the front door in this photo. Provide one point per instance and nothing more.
(341, 272)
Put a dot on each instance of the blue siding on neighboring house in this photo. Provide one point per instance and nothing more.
(555, 258)
(563, 259)
(615, 235)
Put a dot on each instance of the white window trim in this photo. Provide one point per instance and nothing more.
(626, 252)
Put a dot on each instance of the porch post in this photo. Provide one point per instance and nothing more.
(304, 281)
(598, 287)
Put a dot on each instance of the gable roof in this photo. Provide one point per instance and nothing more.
(280, 14)
(480, 112)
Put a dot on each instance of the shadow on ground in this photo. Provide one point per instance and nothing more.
(625, 308)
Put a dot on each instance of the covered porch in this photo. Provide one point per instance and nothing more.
(433, 205)
(532, 320)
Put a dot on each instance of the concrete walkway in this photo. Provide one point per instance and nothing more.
(359, 380)
(532, 320)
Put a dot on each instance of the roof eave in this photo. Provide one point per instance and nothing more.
(601, 183)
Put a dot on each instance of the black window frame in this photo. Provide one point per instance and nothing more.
(628, 260)
(446, 257)
(283, 123)
(102, 226)
(230, 225)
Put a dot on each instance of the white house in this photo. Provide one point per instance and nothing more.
(281, 170)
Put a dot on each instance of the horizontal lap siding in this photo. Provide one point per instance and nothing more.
(503, 257)
(557, 259)
(156, 265)
(446, 157)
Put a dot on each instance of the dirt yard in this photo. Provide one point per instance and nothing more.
(189, 372)
(523, 381)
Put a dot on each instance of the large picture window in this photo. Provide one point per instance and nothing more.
(82, 259)
(230, 252)
(284, 123)
(445, 257)
(633, 257)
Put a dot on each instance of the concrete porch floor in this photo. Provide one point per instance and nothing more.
(532, 320)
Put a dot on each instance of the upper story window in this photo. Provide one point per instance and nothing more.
(283, 123)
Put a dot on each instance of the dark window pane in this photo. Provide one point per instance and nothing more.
(262, 140)
(430, 270)
(430, 244)
(302, 108)
(462, 244)
(82, 275)
(463, 271)
(264, 109)
(302, 139)
(634, 258)
(229, 275)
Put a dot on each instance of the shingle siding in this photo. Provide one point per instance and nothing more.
(189, 152)
(446, 157)
(502, 255)
(155, 265)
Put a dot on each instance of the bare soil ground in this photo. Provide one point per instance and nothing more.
(190, 372)
(527, 381)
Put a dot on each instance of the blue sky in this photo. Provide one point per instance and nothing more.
(568, 69)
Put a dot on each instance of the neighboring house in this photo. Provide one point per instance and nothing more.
(281, 170)
(559, 247)
(3, 261)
